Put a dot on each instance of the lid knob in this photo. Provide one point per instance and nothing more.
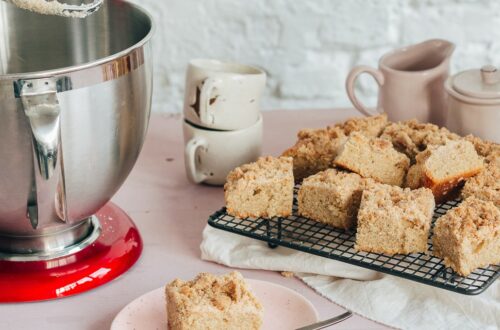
(489, 74)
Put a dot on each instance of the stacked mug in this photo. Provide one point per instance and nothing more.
(222, 119)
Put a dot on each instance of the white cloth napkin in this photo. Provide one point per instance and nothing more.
(383, 298)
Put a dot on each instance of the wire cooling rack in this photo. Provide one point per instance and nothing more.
(299, 233)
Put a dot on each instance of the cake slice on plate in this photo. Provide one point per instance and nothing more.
(212, 302)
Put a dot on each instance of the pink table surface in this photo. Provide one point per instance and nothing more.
(171, 214)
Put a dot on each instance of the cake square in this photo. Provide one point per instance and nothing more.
(468, 236)
(331, 197)
(489, 150)
(485, 185)
(260, 189)
(411, 137)
(393, 220)
(369, 126)
(314, 151)
(443, 168)
(212, 302)
(373, 158)
(484, 148)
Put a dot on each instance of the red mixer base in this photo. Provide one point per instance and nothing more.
(116, 249)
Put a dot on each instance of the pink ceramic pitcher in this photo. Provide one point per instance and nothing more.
(411, 81)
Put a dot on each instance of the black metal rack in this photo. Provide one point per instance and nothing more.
(299, 233)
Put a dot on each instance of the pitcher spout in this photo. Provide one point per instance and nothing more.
(424, 56)
(443, 49)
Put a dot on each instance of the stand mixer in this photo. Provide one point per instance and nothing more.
(75, 100)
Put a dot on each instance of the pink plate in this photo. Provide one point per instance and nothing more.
(282, 306)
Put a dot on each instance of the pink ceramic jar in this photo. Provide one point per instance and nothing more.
(474, 103)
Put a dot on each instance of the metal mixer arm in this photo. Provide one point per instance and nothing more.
(41, 107)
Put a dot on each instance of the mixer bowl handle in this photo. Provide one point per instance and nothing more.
(42, 110)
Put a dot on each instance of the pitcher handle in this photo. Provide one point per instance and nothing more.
(42, 110)
(351, 81)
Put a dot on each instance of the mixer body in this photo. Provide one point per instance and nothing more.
(75, 100)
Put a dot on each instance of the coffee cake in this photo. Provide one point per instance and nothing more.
(393, 220)
(368, 126)
(468, 236)
(485, 185)
(412, 137)
(212, 302)
(314, 150)
(260, 189)
(443, 168)
(331, 197)
(373, 158)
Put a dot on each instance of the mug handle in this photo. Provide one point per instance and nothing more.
(351, 80)
(207, 115)
(190, 157)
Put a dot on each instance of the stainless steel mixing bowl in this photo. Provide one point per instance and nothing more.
(75, 99)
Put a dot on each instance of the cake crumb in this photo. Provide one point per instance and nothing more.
(287, 274)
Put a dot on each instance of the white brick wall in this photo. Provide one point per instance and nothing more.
(308, 47)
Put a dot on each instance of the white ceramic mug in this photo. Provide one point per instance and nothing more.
(223, 95)
(209, 155)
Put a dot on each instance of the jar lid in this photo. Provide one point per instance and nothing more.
(483, 83)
